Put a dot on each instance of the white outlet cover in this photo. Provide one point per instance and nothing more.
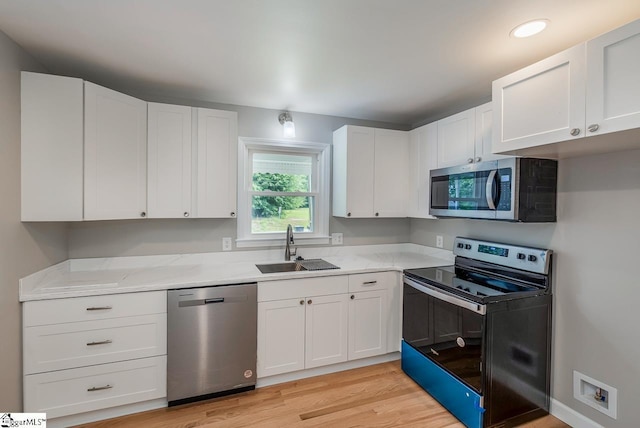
(336, 239)
(227, 244)
(439, 241)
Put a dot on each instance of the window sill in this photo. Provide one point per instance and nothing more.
(269, 242)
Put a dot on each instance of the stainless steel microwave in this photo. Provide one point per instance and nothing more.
(511, 189)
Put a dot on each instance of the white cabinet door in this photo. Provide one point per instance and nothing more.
(115, 158)
(51, 148)
(281, 336)
(326, 330)
(217, 148)
(353, 171)
(613, 85)
(423, 157)
(456, 139)
(484, 134)
(540, 104)
(391, 173)
(368, 313)
(169, 151)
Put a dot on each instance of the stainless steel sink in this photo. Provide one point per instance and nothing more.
(280, 267)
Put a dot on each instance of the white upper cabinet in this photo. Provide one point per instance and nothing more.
(217, 163)
(613, 82)
(456, 139)
(542, 103)
(391, 175)
(169, 161)
(115, 158)
(484, 134)
(353, 171)
(52, 147)
(370, 172)
(587, 91)
(466, 137)
(423, 157)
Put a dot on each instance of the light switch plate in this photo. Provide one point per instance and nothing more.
(227, 244)
(336, 239)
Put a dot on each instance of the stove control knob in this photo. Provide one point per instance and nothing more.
(460, 245)
(521, 256)
(467, 246)
(468, 290)
(532, 258)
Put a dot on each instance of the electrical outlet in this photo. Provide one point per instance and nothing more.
(439, 241)
(336, 239)
(227, 244)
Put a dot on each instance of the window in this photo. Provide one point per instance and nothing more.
(282, 183)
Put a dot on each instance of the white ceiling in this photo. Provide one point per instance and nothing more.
(399, 61)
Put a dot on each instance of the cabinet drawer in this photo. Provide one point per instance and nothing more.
(370, 281)
(67, 392)
(45, 312)
(69, 345)
(305, 287)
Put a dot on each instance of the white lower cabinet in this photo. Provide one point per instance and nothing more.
(281, 331)
(315, 322)
(326, 330)
(89, 353)
(67, 392)
(367, 324)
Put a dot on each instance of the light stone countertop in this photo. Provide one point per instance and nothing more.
(90, 277)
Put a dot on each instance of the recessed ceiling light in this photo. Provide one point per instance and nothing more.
(529, 28)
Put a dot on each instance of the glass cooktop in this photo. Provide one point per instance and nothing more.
(472, 285)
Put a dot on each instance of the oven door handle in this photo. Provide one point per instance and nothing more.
(489, 190)
(447, 297)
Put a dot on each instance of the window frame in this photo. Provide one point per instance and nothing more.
(320, 189)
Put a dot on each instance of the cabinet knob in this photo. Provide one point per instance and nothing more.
(594, 127)
(186, 214)
(478, 159)
(470, 160)
(377, 214)
(348, 214)
(302, 302)
(143, 214)
(353, 297)
(233, 214)
(575, 131)
(309, 301)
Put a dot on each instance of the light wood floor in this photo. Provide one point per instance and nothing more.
(374, 396)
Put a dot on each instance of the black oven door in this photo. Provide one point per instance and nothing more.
(445, 332)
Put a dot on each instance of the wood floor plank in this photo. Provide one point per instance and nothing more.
(379, 396)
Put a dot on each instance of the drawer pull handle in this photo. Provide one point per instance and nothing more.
(369, 282)
(99, 308)
(102, 342)
(99, 388)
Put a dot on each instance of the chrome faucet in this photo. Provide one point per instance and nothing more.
(289, 240)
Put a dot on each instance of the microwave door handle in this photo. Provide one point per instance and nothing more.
(489, 190)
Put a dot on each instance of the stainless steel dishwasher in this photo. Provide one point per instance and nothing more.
(211, 341)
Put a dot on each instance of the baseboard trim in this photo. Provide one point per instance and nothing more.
(318, 371)
(570, 416)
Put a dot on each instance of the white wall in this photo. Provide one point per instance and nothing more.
(24, 248)
(596, 282)
(149, 236)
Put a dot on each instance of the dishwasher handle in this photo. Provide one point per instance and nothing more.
(211, 300)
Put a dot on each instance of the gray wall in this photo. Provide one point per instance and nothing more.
(24, 248)
(142, 237)
(596, 288)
